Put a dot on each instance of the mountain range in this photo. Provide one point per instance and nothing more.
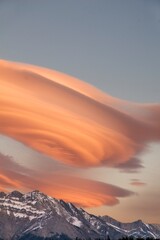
(36, 216)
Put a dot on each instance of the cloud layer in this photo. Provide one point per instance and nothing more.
(71, 121)
(82, 192)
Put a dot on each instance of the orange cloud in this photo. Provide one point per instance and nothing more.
(7, 181)
(82, 192)
(85, 192)
(12, 175)
(72, 121)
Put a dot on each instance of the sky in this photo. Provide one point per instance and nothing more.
(112, 45)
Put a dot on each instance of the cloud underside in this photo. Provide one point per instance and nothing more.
(82, 192)
(71, 121)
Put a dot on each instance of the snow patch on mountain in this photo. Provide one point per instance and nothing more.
(38, 213)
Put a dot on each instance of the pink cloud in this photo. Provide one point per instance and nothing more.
(137, 183)
(72, 121)
(82, 192)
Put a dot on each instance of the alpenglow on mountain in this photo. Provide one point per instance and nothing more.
(37, 216)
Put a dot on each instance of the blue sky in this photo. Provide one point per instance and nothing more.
(111, 44)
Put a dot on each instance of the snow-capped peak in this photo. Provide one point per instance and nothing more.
(35, 212)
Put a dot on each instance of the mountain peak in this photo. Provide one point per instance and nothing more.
(35, 215)
(35, 194)
(2, 194)
(15, 194)
(36, 191)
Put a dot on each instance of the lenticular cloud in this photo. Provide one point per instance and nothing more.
(70, 120)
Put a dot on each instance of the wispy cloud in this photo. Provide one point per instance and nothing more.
(137, 183)
(131, 166)
(82, 192)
